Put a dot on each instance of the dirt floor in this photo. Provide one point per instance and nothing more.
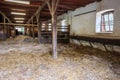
(22, 59)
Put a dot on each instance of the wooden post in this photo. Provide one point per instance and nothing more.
(54, 37)
(91, 44)
(52, 5)
(33, 34)
(39, 27)
(5, 28)
(25, 29)
(4, 31)
(30, 31)
(7, 31)
(105, 47)
(14, 32)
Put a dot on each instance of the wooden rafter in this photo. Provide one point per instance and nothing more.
(35, 5)
(14, 24)
(5, 16)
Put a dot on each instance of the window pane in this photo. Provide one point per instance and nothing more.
(107, 28)
(106, 17)
(111, 16)
(106, 21)
(111, 21)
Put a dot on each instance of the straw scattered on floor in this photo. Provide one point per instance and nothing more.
(21, 60)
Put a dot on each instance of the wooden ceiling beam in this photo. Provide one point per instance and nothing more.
(8, 12)
(63, 7)
(5, 17)
(78, 3)
(17, 24)
(59, 10)
(16, 7)
(38, 11)
(17, 4)
(8, 9)
(67, 7)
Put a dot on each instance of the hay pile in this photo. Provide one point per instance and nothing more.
(30, 61)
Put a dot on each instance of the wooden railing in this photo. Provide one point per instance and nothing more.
(105, 40)
(62, 34)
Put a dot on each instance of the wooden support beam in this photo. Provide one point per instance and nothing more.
(25, 29)
(14, 24)
(72, 40)
(80, 43)
(4, 26)
(39, 27)
(37, 15)
(38, 11)
(29, 30)
(14, 33)
(105, 47)
(112, 48)
(91, 44)
(8, 31)
(54, 36)
(52, 5)
(33, 34)
(5, 17)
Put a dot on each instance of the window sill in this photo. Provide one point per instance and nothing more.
(104, 32)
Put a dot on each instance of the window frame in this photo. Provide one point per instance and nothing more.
(100, 21)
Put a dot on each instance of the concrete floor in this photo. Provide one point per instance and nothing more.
(21, 60)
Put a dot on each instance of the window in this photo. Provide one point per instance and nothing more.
(64, 24)
(20, 28)
(43, 27)
(49, 27)
(105, 21)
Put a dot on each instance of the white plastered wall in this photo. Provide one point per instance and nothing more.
(82, 21)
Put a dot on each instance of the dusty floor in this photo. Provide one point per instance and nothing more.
(20, 60)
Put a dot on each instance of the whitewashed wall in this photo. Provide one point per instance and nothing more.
(84, 22)
(81, 24)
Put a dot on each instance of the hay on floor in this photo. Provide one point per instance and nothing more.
(32, 61)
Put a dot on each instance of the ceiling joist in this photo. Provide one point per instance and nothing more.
(39, 7)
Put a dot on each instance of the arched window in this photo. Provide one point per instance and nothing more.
(105, 21)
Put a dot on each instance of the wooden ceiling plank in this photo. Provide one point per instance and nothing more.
(35, 5)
